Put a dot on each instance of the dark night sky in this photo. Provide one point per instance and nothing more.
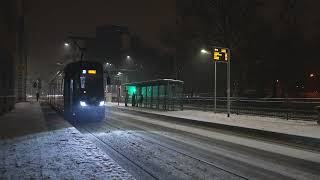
(49, 22)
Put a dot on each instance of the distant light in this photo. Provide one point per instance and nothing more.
(203, 51)
(277, 80)
(128, 57)
(101, 103)
(119, 73)
(311, 75)
(84, 71)
(66, 44)
(82, 103)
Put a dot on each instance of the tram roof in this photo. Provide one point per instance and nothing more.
(154, 82)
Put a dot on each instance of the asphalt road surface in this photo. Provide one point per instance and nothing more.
(154, 149)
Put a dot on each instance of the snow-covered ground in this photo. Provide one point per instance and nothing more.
(293, 127)
(244, 141)
(63, 153)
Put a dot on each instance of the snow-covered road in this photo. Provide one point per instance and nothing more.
(167, 151)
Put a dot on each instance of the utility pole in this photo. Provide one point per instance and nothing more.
(227, 44)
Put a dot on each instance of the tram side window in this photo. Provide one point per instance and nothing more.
(83, 82)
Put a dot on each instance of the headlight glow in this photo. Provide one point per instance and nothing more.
(101, 103)
(82, 103)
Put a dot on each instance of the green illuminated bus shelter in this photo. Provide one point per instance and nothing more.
(161, 94)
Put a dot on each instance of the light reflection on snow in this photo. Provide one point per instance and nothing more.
(57, 153)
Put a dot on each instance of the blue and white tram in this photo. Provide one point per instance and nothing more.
(78, 91)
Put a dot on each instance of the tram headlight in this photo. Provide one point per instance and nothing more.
(82, 103)
(101, 103)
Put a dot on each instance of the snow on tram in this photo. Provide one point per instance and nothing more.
(78, 91)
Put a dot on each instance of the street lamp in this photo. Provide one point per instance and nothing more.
(128, 57)
(66, 44)
(59, 63)
(108, 64)
(203, 51)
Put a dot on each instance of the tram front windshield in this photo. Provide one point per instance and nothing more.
(91, 87)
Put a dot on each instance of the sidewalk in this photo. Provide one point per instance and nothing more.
(31, 148)
(268, 124)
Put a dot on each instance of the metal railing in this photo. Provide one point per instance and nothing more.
(159, 103)
(287, 108)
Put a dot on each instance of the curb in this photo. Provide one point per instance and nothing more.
(295, 140)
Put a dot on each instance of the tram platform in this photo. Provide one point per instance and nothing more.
(36, 143)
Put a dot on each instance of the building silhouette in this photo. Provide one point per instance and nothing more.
(13, 56)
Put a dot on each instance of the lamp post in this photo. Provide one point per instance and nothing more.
(221, 55)
(204, 51)
(74, 41)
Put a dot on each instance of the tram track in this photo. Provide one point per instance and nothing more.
(247, 162)
(100, 142)
(177, 154)
(177, 151)
(199, 164)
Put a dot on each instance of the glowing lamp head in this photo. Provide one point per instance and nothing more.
(203, 51)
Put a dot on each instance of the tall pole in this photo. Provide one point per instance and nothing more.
(227, 44)
(228, 86)
(215, 86)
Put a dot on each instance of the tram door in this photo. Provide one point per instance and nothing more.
(71, 96)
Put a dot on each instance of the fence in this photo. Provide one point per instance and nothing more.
(287, 108)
